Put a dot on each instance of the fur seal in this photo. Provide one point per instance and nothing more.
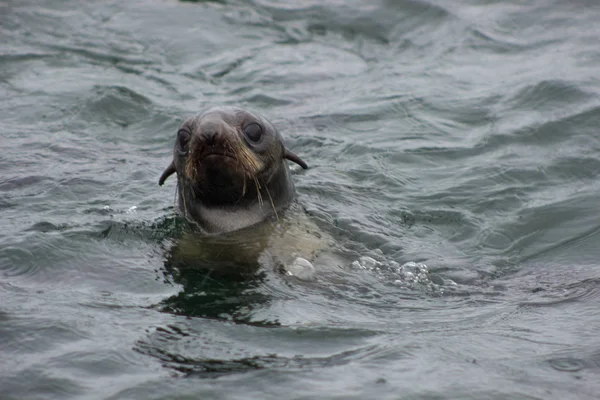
(231, 170)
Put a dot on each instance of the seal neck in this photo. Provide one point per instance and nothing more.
(220, 210)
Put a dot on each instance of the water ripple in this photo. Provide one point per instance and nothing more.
(453, 182)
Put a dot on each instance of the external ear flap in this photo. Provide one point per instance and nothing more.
(292, 157)
(168, 172)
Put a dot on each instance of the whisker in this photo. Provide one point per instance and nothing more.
(272, 203)
(249, 162)
(260, 200)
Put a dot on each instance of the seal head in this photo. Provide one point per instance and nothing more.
(231, 169)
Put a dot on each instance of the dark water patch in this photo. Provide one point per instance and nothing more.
(20, 56)
(582, 243)
(578, 168)
(548, 95)
(453, 225)
(343, 20)
(6, 204)
(46, 227)
(9, 185)
(584, 120)
(116, 105)
(557, 218)
(14, 261)
(577, 125)
(496, 42)
(169, 226)
(104, 57)
(205, 294)
(174, 346)
(567, 364)
(452, 152)
(298, 62)
(346, 121)
(357, 21)
(560, 293)
(265, 100)
(216, 368)
(209, 368)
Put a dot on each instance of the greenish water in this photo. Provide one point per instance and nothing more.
(461, 135)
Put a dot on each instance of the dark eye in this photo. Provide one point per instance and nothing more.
(183, 138)
(253, 132)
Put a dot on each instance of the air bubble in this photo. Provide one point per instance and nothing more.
(301, 268)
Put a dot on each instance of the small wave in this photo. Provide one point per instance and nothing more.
(46, 226)
(110, 56)
(176, 348)
(567, 364)
(586, 291)
(118, 105)
(576, 359)
(299, 63)
(547, 95)
(21, 182)
(18, 261)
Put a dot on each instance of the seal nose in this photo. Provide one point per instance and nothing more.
(209, 136)
(210, 130)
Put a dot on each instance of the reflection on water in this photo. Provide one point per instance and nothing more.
(213, 288)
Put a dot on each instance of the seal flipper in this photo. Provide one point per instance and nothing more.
(168, 172)
(292, 157)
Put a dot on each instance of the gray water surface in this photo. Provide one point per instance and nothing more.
(461, 135)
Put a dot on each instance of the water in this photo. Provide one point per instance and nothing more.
(454, 159)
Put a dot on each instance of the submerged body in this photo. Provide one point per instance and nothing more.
(233, 182)
(276, 245)
(231, 170)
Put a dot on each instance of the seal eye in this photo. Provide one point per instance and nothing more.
(253, 132)
(183, 138)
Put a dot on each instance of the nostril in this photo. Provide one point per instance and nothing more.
(209, 136)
